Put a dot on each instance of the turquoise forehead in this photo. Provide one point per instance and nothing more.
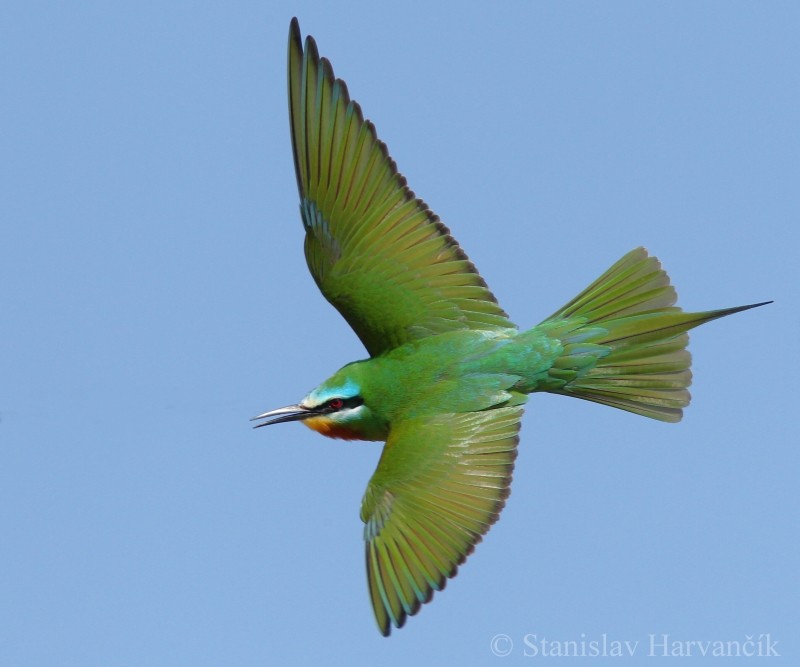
(325, 392)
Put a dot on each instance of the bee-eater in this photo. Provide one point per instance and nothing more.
(448, 372)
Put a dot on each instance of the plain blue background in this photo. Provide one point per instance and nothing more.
(153, 297)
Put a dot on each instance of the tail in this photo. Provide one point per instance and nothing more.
(625, 342)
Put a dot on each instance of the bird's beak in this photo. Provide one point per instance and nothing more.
(288, 414)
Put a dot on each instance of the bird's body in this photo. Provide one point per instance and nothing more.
(448, 372)
(459, 371)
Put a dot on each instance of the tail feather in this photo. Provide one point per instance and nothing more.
(634, 284)
(625, 342)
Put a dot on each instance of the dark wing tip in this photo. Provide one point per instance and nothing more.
(324, 65)
(311, 50)
(327, 70)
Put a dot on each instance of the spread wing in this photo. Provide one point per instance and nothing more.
(440, 484)
(377, 253)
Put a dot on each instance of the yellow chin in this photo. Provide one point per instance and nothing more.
(330, 428)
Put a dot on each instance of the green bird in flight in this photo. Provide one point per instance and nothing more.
(448, 372)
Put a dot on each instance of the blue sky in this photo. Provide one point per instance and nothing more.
(154, 297)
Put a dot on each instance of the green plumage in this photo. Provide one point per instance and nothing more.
(448, 372)
(377, 253)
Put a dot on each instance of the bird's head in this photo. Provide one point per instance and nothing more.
(336, 409)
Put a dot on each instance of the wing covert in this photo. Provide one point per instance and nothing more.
(377, 253)
(440, 484)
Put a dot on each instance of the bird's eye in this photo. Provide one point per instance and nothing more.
(336, 404)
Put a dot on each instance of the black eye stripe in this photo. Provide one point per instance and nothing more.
(336, 404)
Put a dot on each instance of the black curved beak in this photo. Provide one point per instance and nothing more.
(290, 413)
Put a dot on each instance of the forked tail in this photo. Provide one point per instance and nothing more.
(625, 342)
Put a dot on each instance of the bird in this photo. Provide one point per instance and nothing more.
(448, 373)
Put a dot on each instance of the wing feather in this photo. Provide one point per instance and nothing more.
(377, 253)
(440, 484)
